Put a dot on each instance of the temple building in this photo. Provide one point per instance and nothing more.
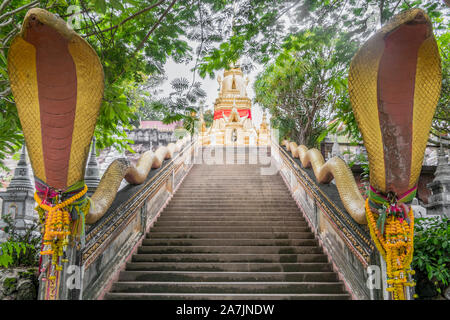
(232, 124)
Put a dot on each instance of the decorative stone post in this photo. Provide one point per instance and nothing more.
(439, 201)
(18, 200)
(335, 151)
(92, 176)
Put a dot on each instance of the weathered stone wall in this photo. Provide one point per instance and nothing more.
(18, 284)
(347, 244)
(112, 240)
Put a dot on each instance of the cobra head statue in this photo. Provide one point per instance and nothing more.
(394, 87)
(57, 81)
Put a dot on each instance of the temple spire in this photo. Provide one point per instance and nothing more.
(21, 179)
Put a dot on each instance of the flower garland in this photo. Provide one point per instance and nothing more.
(393, 237)
(61, 214)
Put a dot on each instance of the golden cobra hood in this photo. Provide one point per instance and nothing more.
(57, 81)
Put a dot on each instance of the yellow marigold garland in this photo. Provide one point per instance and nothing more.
(396, 247)
(55, 221)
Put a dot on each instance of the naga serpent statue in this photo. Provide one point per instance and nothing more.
(394, 86)
(57, 81)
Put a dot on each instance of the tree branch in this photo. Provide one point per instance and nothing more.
(6, 22)
(139, 47)
(395, 8)
(200, 47)
(126, 20)
(4, 4)
(7, 14)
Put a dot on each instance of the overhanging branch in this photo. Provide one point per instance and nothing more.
(126, 20)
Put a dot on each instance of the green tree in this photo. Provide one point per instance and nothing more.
(356, 20)
(208, 116)
(134, 39)
(300, 87)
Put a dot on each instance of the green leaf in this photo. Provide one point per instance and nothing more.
(100, 6)
(116, 4)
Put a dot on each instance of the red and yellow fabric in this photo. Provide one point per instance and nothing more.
(218, 114)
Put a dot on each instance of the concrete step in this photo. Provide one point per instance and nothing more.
(228, 212)
(205, 276)
(214, 223)
(228, 296)
(248, 201)
(190, 229)
(230, 242)
(228, 287)
(232, 206)
(231, 266)
(255, 191)
(229, 249)
(247, 181)
(256, 198)
(231, 218)
(231, 235)
(232, 191)
(228, 257)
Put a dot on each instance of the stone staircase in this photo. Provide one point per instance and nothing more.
(229, 233)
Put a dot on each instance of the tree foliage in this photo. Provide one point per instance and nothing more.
(135, 38)
(432, 251)
(358, 20)
(304, 83)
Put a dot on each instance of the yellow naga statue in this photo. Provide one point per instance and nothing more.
(394, 87)
(57, 81)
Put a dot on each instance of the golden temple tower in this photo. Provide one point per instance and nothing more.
(232, 124)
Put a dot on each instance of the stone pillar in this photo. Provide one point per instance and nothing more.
(419, 211)
(92, 176)
(18, 199)
(335, 150)
(439, 201)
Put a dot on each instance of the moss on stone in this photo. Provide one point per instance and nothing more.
(9, 286)
(10, 283)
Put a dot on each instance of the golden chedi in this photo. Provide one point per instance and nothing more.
(232, 124)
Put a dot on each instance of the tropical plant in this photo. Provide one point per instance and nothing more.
(208, 117)
(10, 251)
(134, 39)
(22, 247)
(432, 252)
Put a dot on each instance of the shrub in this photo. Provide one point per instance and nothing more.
(21, 248)
(10, 252)
(431, 254)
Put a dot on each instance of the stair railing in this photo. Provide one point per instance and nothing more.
(346, 243)
(90, 270)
